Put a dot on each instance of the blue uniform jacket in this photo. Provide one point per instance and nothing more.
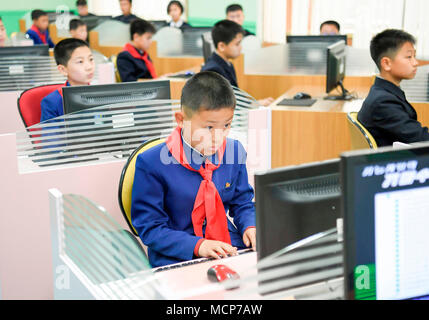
(163, 198)
(36, 39)
(216, 64)
(130, 69)
(52, 106)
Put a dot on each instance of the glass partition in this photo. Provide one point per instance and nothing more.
(113, 33)
(109, 133)
(108, 260)
(417, 89)
(304, 59)
(25, 72)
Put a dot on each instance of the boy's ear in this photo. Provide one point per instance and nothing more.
(180, 118)
(63, 70)
(386, 64)
(221, 46)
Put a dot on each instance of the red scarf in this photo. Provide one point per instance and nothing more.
(41, 35)
(145, 57)
(60, 90)
(208, 204)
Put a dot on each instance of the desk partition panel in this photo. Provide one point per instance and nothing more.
(113, 33)
(417, 89)
(304, 59)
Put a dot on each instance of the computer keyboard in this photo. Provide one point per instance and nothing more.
(297, 103)
(194, 261)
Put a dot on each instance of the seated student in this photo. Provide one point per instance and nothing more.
(386, 113)
(127, 16)
(134, 63)
(175, 11)
(75, 61)
(78, 29)
(329, 28)
(3, 34)
(234, 12)
(184, 187)
(82, 9)
(39, 30)
(227, 36)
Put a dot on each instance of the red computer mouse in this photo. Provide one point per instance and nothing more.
(221, 272)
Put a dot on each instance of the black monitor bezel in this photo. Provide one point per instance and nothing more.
(315, 38)
(41, 50)
(330, 85)
(348, 161)
(274, 176)
(118, 87)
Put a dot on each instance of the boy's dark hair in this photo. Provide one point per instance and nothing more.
(36, 14)
(335, 23)
(81, 3)
(177, 3)
(207, 90)
(76, 23)
(65, 48)
(387, 44)
(233, 8)
(225, 31)
(130, 1)
(141, 26)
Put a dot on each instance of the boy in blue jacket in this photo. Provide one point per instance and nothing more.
(184, 187)
(75, 60)
(39, 30)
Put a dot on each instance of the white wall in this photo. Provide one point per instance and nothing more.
(146, 9)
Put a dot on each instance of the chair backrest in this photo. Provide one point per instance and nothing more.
(127, 180)
(29, 103)
(114, 60)
(360, 136)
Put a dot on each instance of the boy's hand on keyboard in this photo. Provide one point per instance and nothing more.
(249, 238)
(216, 249)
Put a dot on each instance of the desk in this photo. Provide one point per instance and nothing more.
(308, 134)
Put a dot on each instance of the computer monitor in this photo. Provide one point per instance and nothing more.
(295, 202)
(93, 21)
(208, 45)
(33, 51)
(325, 38)
(192, 40)
(158, 24)
(77, 98)
(385, 204)
(336, 70)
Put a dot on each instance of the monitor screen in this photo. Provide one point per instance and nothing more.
(330, 39)
(77, 98)
(93, 21)
(38, 51)
(192, 40)
(385, 204)
(295, 202)
(158, 24)
(208, 45)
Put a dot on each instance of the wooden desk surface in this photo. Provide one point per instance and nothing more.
(309, 134)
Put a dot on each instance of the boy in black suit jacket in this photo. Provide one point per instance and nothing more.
(386, 112)
(227, 36)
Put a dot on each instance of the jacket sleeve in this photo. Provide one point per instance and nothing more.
(151, 220)
(242, 208)
(126, 69)
(391, 118)
(49, 109)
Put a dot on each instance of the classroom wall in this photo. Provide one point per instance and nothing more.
(208, 12)
(12, 11)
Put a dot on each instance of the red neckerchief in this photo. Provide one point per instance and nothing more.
(145, 57)
(60, 90)
(208, 204)
(41, 35)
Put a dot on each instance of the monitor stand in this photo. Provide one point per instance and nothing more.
(345, 94)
